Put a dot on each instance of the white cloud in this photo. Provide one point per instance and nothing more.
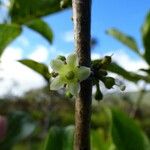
(95, 56)
(11, 53)
(6, 3)
(17, 78)
(68, 36)
(40, 54)
(127, 62)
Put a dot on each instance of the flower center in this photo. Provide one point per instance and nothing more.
(70, 75)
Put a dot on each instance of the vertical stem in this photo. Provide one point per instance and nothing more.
(82, 35)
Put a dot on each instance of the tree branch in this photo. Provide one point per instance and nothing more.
(82, 27)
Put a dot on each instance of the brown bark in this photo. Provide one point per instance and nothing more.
(82, 27)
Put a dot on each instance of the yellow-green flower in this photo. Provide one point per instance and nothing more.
(69, 74)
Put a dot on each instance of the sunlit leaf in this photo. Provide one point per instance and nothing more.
(54, 139)
(22, 11)
(40, 68)
(146, 37)
(42, 28)
(126, 134)
(99, 140)
(8, 32)
(60, 138)
(68, 138)
(115, 68)
(125, 39)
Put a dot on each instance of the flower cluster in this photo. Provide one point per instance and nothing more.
(68, 74)
(100, 74)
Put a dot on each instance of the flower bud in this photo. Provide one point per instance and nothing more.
(109, 82)
(101, 73)
(62, 58)
(120, 84)
(96, 64)
(98, 94)
(106, 61)
(122, 87)
(69, 95)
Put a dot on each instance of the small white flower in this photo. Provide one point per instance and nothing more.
(69, 73)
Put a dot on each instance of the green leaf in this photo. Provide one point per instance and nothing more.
(22, 11)
(37, 67)
(68, 138)
(60, 138)
(125, 39)
(8, 32)
(100, 140)
(126, 134)
(146, 38)
(54, 139)
(146, 70)
(42, 28)
(115, 68)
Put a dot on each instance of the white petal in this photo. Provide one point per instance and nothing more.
(56, 84)
(83, 73)
(72, 60)
(56, 65)
(74, 88)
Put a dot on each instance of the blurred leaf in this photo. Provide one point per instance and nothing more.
(55, 139)
(115, 68)
(20, 126)
(42, 28)
(64, 136)
(60, 138)
(146, 38)
(146, 142)
(8, 32)
(22, 11)
(145, 70)
(125, 39)
(68, 138)
(99, 141)
(37, 67)
(126, 134)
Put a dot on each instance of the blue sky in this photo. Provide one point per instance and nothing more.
(125, 15)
